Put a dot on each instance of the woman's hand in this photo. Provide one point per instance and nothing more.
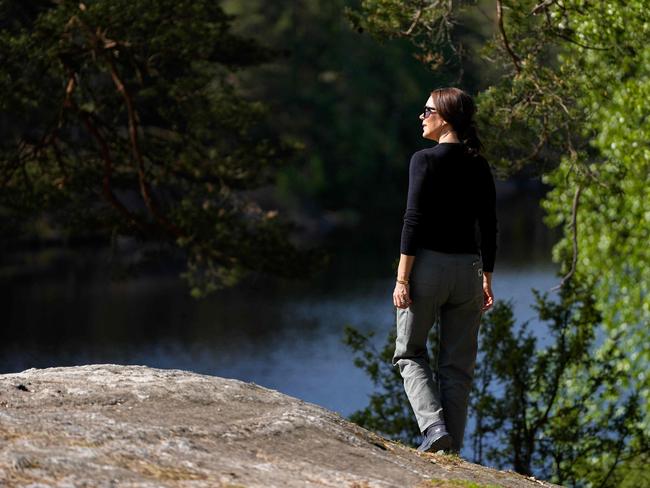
(402, 296)
(488, 296)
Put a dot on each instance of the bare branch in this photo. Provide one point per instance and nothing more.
(416, 19)
(556, 33)
(620, 446)
(515, 59)
(559, 371)
(542, 6)
(543, 139)
(574, 226)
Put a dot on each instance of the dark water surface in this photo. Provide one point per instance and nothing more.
(284, 336)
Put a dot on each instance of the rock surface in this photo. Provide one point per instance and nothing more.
(110, 425)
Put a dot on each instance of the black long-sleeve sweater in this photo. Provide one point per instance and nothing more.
(449, 193)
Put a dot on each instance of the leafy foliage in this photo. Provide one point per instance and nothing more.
(126, 120)
(572, 101)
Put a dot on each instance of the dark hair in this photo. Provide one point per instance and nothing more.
(457, 108)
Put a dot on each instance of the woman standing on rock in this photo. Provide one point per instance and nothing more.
(444, 276)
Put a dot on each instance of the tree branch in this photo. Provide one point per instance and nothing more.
(416, 19)
(542, 6)
(574, 226)
(105, 152)
(12, 168)
(556, 379)
(515, 59)
(137, 152)
(102, 46)
(617, 459)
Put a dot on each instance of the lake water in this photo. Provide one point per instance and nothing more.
(285, 336)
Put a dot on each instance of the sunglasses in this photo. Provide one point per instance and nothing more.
(428, 111)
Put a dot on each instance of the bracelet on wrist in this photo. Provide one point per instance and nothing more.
(403, 282)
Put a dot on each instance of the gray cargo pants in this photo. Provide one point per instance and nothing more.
(447, 290)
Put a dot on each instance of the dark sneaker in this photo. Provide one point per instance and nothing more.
(436, 438)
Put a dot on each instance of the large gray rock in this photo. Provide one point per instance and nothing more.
(111, 425)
